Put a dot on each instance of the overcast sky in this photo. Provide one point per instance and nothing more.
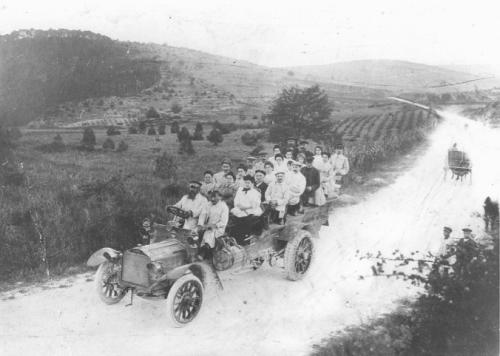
(283, 33)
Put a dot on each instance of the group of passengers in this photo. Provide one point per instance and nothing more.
(279, 186)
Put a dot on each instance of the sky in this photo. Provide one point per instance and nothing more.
(284, 33)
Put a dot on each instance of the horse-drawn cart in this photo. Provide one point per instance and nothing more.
(459, 164)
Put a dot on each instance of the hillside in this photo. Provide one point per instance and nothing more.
(63, 76)
(394, 75)
(40, 69)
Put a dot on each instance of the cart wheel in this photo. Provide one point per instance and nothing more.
(184, 300)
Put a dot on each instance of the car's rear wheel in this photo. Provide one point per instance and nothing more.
(107, 283)
(184, 300)
(299, 253)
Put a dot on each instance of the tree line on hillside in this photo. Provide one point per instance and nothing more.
(40, 71)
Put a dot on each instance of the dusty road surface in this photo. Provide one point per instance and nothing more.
(260, 313)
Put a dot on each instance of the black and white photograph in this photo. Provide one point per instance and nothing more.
(251, 178)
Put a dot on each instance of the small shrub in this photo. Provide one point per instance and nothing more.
(249, 139)
(133, 130)
(113, 131)
(215, 137)
(166, 167)
(57, 145)
(88, 140)
(257, 150)
(151, 131)
(161, 129)
(183, 134)
(108, 144)
(174, 128)
(152, 113)
(176, 108)
(198, 132)
(122, 146)
(142, 126)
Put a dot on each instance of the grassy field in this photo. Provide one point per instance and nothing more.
(77, 201)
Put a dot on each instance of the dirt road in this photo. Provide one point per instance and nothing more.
(260, 313)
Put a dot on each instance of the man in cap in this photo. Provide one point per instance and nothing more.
(340, 164)
(297, 184)
(312, 181)
(277, 197)
(276, 151)
(193, 202)
(251, 165)
(212, 221)
(219, 178)
(448, 241)
(466, 251)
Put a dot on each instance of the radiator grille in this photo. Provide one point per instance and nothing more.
(134, 270)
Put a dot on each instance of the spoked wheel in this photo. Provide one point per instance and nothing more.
(299, 253)
(184, 300)
(107, 283)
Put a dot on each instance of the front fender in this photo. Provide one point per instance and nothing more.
(203, 270)
(98, 257)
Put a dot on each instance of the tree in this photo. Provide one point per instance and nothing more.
(198, 132)
(174, 128)
(152, 113)
(112, 131)
(249, 139)
(301, 113)
(142, 126)
(215, 137)
(166, 167)
(151, 131)
(108, 144)
(176, 108)
(88, 140)
(122, 146)
(161, 129)
(184, 137)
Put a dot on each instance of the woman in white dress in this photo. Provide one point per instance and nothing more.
(326, 175)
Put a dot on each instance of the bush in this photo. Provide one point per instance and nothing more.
(88, 140)
(198, 132)
(108, 144)
(57, 145)
(151, 131)
(174, 128)
(122, 146)
(176, 108)
(113, 131)
(183, 134)
(249, 139)
(224, 129)
(166, 167)
(142, 126)
(161, 129)
(215, 137)
(133, 130)
(152, 113)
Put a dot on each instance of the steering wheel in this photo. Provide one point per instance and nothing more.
(178, 212)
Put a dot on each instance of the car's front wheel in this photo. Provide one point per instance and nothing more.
(184, 300)
(107, 283)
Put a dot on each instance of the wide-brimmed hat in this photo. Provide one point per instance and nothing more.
(447, 229)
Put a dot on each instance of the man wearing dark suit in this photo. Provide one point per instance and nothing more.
(259, 183)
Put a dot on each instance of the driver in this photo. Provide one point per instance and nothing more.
(193, 202)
